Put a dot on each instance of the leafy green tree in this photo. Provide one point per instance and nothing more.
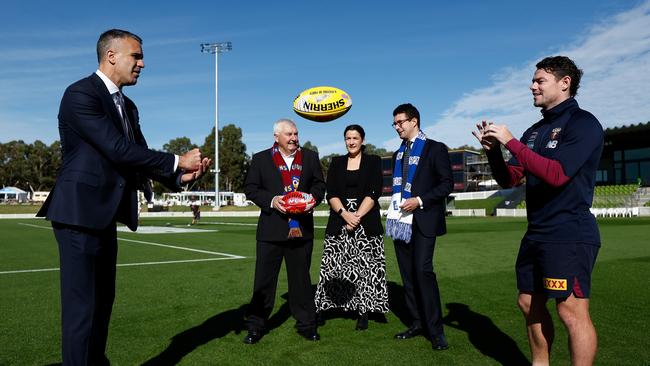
(29, 165)
(39, 156)
(325, 162)
(179, 145)
(233, 160)
(372, 149)
(467, 147)
(15, 170)
(309, 146)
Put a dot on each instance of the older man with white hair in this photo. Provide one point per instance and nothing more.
(274, 172)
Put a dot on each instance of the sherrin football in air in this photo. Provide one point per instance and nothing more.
(322, 103)
(297, 202)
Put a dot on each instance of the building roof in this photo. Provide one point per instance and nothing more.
(11, 190)
(628, 128)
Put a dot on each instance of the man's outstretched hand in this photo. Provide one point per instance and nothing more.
(190, 161)
(190, 176)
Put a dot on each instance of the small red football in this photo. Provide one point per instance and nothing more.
(298, 202)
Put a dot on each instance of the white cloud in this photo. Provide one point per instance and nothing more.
(615, 56)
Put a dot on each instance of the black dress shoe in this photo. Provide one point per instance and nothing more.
(409, 333)
(253, 337)
(310, 335)
(439, 344)
(362, 322)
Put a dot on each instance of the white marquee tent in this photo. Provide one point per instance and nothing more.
(12, 194)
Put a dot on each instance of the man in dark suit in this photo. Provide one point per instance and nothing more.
(422, 180)
(273, 172)
(105, 160)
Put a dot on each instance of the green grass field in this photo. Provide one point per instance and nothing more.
(190, 309)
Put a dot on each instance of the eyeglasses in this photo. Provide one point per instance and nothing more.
(399, 123)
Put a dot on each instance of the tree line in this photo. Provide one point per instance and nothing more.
(34, 166)
(29, 166)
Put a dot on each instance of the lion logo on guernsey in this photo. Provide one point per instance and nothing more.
(557, 284)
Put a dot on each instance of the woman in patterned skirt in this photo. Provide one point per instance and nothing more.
(353, 266)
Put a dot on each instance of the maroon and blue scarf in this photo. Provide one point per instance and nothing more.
(290, 181)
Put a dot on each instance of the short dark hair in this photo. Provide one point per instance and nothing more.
(360, 130)
(408, 109)
(105, 39)
(561, 66)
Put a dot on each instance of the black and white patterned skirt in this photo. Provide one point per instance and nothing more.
(353, 273)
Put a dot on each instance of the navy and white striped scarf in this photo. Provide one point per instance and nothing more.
(398, 224)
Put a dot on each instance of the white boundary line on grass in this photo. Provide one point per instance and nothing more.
(125, 265)
(243, 224)
(226, 255)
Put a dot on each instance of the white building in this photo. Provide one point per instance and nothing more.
(12, 194)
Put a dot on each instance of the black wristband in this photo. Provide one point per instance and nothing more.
(340, 211)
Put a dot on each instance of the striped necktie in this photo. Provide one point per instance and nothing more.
(126, 125)
(405, 163)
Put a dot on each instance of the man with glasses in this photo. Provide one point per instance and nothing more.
(422, 180)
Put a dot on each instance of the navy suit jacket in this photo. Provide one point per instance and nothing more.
(101, 169)
(433, 182)
(264, 181)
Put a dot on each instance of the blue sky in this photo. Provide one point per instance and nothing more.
(458, 62)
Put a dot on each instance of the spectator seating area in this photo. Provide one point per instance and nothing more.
(612, 201)
(615, 196)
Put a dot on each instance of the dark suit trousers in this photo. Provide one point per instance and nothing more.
(88, 259)
(415, 261)
(297, 256)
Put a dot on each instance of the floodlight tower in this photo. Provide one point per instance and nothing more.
(216, 49)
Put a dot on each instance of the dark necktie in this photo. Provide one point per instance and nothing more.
(128, 132)
(405, 163)
(126, 126)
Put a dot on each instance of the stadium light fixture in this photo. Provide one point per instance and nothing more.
(216, 49)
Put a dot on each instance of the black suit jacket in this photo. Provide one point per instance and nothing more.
(264, 181)
(433, 182)
(370, 178)
(101, 170)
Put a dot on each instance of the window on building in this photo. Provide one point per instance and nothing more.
(634, 154)
(456, 158)
(618, 155)
(459, 177)
(631, 172)
(644, 172)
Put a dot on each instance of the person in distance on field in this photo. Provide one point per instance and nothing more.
(558, 158)
(105, 161)
(274, 172)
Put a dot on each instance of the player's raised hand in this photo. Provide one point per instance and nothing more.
(499, 132)
(485, 141)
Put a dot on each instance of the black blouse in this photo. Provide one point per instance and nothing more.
(358, 184)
